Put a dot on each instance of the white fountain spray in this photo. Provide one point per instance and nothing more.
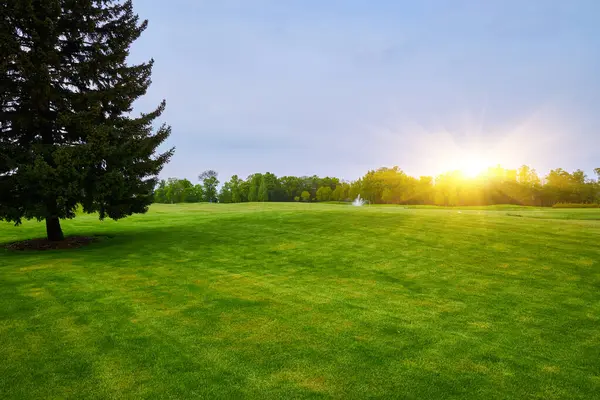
(358, 202)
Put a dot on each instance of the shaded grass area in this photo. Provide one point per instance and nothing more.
(306, 301)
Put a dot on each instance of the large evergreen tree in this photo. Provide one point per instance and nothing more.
(66, 93)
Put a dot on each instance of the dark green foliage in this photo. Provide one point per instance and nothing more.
(66, 135)
(292, 186)
(226, 193)
(274, 189)
(193, 194)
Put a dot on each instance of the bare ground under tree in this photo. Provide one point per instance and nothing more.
(70, 242)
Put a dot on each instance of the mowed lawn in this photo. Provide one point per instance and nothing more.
(306, 301)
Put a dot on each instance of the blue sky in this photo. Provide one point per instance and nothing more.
(337, 87)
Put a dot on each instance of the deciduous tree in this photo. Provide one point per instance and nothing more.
(209, 182)
(324, 193)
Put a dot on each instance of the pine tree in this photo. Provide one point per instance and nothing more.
(66, 93)
(263, 191)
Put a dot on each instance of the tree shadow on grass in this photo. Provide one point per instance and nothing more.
(120, 243)
(226, 236)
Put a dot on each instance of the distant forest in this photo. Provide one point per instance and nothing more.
(522, 186)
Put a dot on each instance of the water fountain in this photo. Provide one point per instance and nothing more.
(358, 201)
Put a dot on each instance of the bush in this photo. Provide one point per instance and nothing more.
(576, 205)
(305, 196)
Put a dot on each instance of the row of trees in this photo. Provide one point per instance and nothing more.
(175, 190)
(496, 186)
(257, 187)
(393, 186)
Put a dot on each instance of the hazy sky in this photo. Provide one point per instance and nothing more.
(337, 87)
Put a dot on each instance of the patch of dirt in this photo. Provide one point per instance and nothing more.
(71, 242)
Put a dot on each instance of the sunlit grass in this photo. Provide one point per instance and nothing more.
(304, 300)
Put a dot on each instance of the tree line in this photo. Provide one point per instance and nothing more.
(522, 186)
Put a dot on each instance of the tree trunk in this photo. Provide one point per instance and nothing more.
(53, 229)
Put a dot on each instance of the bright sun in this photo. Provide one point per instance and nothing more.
(472, 166)
(470, 161)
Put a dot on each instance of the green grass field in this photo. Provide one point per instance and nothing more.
(307, 301)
